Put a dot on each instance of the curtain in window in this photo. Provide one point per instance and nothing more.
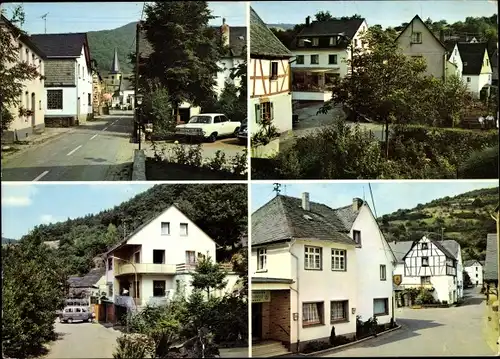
(310, 313)
(337, 311)
(379, 306)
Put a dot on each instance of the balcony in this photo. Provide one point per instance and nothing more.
(145, 268)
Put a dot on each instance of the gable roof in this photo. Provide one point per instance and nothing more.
(237, 40)
(471, 262)
(89, 279)
(61, 45)
(450, 46)
(23, 36)
(400, 249)
(449, 247)
(491, 262)
(283, 218)
(472, 55)
(263, 43)
(416, 17)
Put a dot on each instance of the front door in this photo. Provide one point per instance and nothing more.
(256, 321)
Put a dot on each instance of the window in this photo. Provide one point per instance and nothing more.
(468, 79)
(333, 41)
(158, 256)
(191, 257)
(261, 259)
(83, 72)
(165, 228)
(383, 272)
(158, 288)
(274, 70)
(84, 310)
(456, 52)
(476, 269)
(416, 38)
(90, 99)
(355, 42)
(315, 41)
(425, 261)
(184, 229)
(301, 43)
(312, 313)
(137, 257)
(110, 263)
(300, 60)
(476, 275)
(312, 258)
(425, 280)
(78, 310)
(487, 62)
(332, 59)
(380, 306)
(338, 259)
(27, 55)
(78, 70)
(339, 311)
(314, 59)
(217, 119)
(264, 112)
(54, 99)
(425, 246)
(356, 235)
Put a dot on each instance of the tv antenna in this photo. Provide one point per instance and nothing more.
(277, 188)
(44, 17)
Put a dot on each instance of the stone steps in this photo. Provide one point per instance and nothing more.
(269, 349)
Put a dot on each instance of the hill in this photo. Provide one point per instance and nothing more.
(8, 240)
(465, 218)
(219, 210)
(282, 27)
(103, 43)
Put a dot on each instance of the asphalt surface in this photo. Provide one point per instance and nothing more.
(99, 150)
(456, 331)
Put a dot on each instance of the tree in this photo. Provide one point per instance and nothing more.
(467, 280)
(209, 276)
(13, 73)
(185, 50)
(323, 16)
(111, 236)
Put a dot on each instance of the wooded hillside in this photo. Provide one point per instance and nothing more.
(465, 218)
(219, 210)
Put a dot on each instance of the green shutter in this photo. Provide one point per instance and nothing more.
(257, 113)
(271, 110)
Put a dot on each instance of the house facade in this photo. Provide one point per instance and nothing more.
(477, 73)
(475, 270)
(97, 94)
(321, 51)
(297, 244)
(69, 82)
(454, 64)
(491, 262)
(32, 99)
(270, 85)
(417, 40)
(431, 264)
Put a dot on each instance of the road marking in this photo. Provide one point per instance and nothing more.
(69, 154)
(39, 177)
(105, 128)
(93, 136)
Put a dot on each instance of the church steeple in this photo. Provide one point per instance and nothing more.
(115, 66)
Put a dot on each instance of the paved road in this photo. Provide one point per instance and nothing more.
(83, 340)
(96, 151)
(431, 332)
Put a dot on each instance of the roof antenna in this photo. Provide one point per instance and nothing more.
(277, 188)
(44, 17)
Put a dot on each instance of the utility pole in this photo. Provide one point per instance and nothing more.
(137, 127)
(44, 17)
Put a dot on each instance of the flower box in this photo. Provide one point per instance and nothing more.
(266, 151)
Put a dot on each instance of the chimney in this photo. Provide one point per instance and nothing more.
(441, 35)
(356, 204)
(305, 201)
(223, 21)
(224, 29)
(308, 21)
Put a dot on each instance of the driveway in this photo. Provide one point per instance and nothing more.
(456, 331)
(83, 340)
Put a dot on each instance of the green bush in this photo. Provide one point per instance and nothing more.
(133, 346)
(481, 164)
(424, 297)
(157, 109)
(315, 346)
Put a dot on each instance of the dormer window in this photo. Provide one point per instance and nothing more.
(425, 246)
(333, 41)
(416, 38)
(301, 43)
(315, 41)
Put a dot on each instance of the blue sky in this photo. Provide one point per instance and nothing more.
(385, 13)
(388, 196)
(93, 16)
(27, 205)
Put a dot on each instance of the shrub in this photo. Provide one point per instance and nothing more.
(315, 346)
(133, 346)
(341, 340)
(156, 108)
(240, 162)
(424, 297)
(481, 164)
(218, 162)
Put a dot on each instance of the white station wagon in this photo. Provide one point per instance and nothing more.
(209, 126)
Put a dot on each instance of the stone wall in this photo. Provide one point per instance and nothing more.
(60, 121)
(492, 321)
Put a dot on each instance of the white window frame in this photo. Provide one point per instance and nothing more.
(416, 37)
(311, 59)
(313, 255)
(261, 259)
(181, 232)
(383, 272)
(337, 306)
(312, 313)
(386, 305)
(315, 41)
(165, 233)
(339, 259)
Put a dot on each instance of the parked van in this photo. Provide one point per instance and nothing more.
(77, 302)
(71, 314)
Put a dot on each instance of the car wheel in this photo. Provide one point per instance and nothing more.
(212, 137)
(90, 320)
(70, 321)
(235, 134)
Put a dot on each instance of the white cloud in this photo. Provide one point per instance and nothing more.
(48, 218)
(18, 195)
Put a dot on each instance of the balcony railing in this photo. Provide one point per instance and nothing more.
(152, 268)
(310, 88)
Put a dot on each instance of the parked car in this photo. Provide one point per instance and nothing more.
(71, 314)
(209, 126)
(243, 132)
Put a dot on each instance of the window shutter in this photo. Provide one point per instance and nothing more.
(271, 110)
(257, 113)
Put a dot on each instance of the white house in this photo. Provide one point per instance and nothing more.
(321, 52)
(477, 73)
(32, 97)
(68, 83)
(431, 264)
(475, 270)
(315, 268)
(270, 92)
(455, 65)
(158, 257)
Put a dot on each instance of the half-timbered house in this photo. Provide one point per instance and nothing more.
(269, 67)
(431, 264)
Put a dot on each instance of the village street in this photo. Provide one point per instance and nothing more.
(456, 331)
(99, 150)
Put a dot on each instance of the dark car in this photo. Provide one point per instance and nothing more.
(243, 132)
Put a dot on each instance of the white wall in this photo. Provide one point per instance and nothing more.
(340, 67)
(457, 60)
(472, 271)
(477, 82)
(374, 251)
(311, 96)
(265, 87)
(282, 106)
(84, 83)
(226, 65)
(279, 262)
(69, 102)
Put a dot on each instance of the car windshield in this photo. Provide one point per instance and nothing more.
(200, 119)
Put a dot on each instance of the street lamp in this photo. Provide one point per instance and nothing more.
(138, 101)
(136, 284)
